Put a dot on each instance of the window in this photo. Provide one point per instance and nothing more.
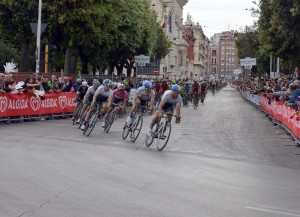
(214, 53)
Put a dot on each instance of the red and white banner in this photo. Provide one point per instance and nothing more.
(282, 114)
(27, 104)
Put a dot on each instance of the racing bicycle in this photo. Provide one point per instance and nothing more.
(162, 132)
(95, 117)
(134, 129)
(196, 100)
(78, 111)
(111, 117)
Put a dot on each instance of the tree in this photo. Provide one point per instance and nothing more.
(15, 16)
(8, 54)
(279, 27)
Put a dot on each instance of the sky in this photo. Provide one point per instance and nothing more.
(216, 16)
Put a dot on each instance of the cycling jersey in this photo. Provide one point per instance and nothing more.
(81, 92)
(102, 94)
(203, 87)
(122, 95)
(164, 87)
(168, 98)
(186, 88)
(141, 93)
(90, 94)
(195, 88)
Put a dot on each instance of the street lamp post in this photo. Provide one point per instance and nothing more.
(38, 38)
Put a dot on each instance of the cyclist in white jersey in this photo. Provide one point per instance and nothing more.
(171, 99)
(142, 96)
(100, 97)
(88, 97)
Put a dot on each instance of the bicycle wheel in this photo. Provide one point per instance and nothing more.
(195, 104)
(77, 113)
(91, 124)
(109, 121)
(126, 130)
(136, 129)
(163, 136)
(149, 139)
(82, 118)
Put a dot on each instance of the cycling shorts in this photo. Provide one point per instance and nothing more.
(117, 101)
(168, 108)
(143, 102)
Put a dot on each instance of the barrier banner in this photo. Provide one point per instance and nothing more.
(30, 104)
(282, 113)
(254, 98)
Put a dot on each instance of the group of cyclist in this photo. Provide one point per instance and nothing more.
(162, 95)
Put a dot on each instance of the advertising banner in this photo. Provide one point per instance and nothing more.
(27, 104)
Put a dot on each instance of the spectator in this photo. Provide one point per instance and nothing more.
(45, 86)
(2, 78)
(8, 81)
(54, 85)
(30, 85)
(68, 84)
(77, 84)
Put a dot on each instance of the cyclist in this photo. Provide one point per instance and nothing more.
(80, 93)
(100, 97)
(213, 86)
(118, 96)
(170, 99)
(142, 96)
(88, 98)
(204, 87)
(186, 91)
(195, 91)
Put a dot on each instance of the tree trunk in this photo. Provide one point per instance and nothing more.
(67, 62)
(84, 66)
(25, 58)
(73, 61)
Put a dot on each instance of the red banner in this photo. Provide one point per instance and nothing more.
(27, 104)
(282, 114)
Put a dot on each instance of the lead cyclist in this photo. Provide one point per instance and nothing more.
(171, 100)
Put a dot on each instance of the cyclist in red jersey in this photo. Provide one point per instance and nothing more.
(204, 87)
(163, 87)
(195, 91)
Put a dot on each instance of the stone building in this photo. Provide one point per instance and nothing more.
(170, 16)
(197, 53)
(223, 55)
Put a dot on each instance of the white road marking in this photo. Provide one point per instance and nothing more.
(274, 210)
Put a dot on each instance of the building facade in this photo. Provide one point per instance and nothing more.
(223, 55)
(170, 16)
(197, 52)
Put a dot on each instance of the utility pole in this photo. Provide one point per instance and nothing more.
(38, 38)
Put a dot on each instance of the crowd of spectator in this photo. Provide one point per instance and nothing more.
(285, 88)
(48, 84)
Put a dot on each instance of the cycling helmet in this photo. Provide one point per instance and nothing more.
(84, 84)
(106, 82)
(147, 84)
(175, 87)
(95, 81)
(121, 87)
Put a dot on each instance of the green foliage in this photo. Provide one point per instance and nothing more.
(100, 32)
(8, 54)
(279, 30)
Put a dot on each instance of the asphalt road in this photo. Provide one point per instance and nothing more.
(226, 159)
